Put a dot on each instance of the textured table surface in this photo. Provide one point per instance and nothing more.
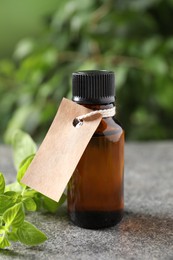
(146, 231)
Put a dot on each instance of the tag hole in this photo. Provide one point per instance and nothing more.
(77, 123)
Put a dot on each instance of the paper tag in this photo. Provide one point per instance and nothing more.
(60, 151)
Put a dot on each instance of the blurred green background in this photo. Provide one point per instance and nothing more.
(42, 42)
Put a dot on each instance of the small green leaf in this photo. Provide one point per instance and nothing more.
(14, 216)
(11, 193)
(15, 186)
(62, 199)
(51, 205)
(30, 204)
(121, 72)
(2, 183)
(23, 167)
(24, 47)
(16, 197)
(25, 160)
(30, 193)
(23, 146)
(5, 203)
(12, 236)
(4, 242)
(29, 235)
(38, 200)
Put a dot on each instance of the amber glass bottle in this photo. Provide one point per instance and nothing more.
(95, 191)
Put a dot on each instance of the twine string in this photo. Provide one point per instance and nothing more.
(104, 112)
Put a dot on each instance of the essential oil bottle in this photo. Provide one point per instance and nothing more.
(95, 191)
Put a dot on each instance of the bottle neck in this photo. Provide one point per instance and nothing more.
(98, 106)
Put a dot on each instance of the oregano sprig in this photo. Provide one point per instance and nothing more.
(16, 199)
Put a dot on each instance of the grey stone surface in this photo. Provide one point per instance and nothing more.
(146, 231)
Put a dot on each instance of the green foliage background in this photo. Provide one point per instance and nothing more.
(133, 38)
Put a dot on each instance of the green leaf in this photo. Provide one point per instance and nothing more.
(24, 47)
(12, 236)
(16, 197)
(25, 160)
(19, 119)
(51, 205)
(11, 193)
(4, 242)
(30, 204)
(30, 193)
(29, 235)
(15, 186)
(156, 65)
(14, 216)
(23, 146)
(121, 75)
(2, 183)
(5, 203)
(38, 200)
(24, 166)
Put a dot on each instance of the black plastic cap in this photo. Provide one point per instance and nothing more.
(93, 87)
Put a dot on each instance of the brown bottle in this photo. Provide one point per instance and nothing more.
(95, 191)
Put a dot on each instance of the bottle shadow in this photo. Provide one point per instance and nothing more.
(141, 225)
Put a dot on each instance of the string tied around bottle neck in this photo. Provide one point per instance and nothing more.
(78, 121)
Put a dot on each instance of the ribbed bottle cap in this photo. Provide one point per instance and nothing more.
(93, 87)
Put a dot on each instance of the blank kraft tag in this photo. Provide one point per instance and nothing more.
(60, 151)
